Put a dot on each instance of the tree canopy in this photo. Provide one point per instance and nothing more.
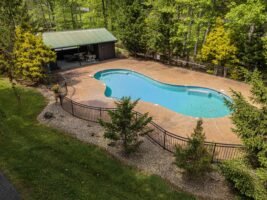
(218, 47)
(31, 56)
(250, 120)
(182, 29)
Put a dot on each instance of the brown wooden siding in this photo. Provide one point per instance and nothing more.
(106, 51)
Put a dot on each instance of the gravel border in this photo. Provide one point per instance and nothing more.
(151, 158)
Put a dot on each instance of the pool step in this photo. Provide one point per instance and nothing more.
(108, 73)
(199, 92)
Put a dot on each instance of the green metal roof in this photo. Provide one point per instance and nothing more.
(61, 39)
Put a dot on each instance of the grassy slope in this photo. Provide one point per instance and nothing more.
(46, 164)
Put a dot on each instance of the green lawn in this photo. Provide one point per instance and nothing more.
(43, 163)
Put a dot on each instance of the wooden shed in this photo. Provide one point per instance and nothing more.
(81, 46)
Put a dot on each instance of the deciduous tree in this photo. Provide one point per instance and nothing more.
(31, 56)
(246, 22)
(218, 48)
(131, 26)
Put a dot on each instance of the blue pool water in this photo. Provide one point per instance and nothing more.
(187, 100)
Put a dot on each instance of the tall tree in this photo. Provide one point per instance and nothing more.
(246, 22)
(12, 14)
(159, 23)
(191, 23)
(131, 27)
(251, 121)
(218, 48)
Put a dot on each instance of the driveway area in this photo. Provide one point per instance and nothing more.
(85, 89)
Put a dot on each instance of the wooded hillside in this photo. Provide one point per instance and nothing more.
(229, 33)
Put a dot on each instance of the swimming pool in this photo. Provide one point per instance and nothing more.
(187, 100)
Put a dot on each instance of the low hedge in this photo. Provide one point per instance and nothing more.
(244, 178)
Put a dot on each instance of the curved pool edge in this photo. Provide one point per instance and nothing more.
(225, 96)
(114, 69)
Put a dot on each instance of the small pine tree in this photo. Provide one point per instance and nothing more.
(195, 159)
(125, 125)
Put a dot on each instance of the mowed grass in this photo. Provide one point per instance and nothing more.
(43, 163)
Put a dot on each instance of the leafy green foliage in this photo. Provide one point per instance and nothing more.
(251, 121)
(218, 47)
(194, 158)
(44, 163)
(248, 182)
(126, 125)
(31, 56)
(246, 23)
(130, 29)
(238, 73)
(264, 40)
(171, 28)
(159, 27)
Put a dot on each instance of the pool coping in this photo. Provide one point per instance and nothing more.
(163, 83)
(90, 91)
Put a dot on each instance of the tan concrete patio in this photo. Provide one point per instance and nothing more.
(85, 89)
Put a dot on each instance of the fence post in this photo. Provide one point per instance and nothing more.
(72, 110)
(213, 152)
(100, 112)
(164, 140)
(66, 88)
(60, 100)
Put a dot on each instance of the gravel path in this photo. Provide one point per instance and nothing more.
(151, 158)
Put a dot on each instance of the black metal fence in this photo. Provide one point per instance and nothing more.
(159, 135)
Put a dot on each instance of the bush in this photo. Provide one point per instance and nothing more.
(194, 158)
(56, 89)
(238, 73)
(125, 125)
(246, 180)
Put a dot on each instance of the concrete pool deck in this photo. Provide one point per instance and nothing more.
(85, 89)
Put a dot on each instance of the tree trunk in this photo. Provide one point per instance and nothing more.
(251, 31)
(43, 16)
(64, 17)
(52, 13)
(72, 15)
(187, 35)
(206, 33)
(104, 13)
(9, 53)
(197, 40)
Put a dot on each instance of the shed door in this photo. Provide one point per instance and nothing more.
(106, 51)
